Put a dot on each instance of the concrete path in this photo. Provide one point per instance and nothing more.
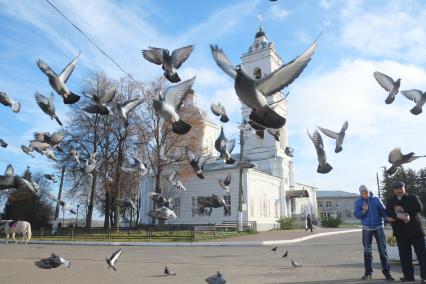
(331, 259)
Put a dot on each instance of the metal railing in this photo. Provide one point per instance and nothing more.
(145, 233)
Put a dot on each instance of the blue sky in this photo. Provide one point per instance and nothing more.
(359, 38)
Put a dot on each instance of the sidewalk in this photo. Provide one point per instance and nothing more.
(260, 239)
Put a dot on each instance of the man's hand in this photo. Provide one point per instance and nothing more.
(404, 217)
(365, 207)
(390, 219)
(398, 209)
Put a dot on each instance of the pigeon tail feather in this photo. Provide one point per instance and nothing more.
(181, 127)
(230, 161)
(224, 118)
(16, 106)
(389, 99)
(338, 149)
(416, 110)
(71, 99)
(324, 169)
(391, 170)
(267, 118)
(200, 175)
(57, 119)
(173, 78)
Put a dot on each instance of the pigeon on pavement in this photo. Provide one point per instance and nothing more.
(58, 82)
(323, 166)
(53, 261)
(113, 259)
(216, 279)
(254, 93)
(389, 85)
(168, 272)
(169, 63)
(418, 97)
(339, 137)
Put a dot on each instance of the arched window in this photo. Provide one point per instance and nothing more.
(257, 73)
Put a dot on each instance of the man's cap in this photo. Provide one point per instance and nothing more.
(363, 188)
(398, 184)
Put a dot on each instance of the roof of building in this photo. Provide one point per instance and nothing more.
(335, 194)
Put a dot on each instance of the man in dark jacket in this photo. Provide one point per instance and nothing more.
(404, 212)
(309, 223)
(371, 211)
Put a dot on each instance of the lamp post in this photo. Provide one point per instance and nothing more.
(240, 191)
(76, 217)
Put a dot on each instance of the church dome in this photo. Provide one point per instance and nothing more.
(260, 33)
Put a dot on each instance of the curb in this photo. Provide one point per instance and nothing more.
(196, 244)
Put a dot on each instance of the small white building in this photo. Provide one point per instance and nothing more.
(269, 190)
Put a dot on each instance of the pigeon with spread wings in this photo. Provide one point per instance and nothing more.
(169, 63)
(6, 101)
(225, 147)
(397, 159)
(47, 105)
(58, 82)
(416, 96)
(219, 110)
(389, 85)
(323, 166)
(197, 162)
(339, 137)
(254, 93)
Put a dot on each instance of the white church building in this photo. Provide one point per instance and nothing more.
(269, 190)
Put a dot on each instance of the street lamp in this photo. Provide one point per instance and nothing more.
(76, 217)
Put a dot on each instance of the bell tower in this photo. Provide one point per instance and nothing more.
(260, 60)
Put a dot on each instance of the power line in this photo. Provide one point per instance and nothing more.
(95, 45)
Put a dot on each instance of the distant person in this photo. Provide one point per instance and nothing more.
(404, 213)
(371, 211)
(309, 223)
(59, 225)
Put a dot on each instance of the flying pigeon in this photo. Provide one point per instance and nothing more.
(123, 110)
(168, 105)
(173, 179)
(38, 146)
(74, 155)
(197, 162)
(6, 101)
(285, 254)
(54, 198)
(27, 150)
(136, 166)
(125, 202)
(216, 279)
(201, 210)
(102, 99)
(9, 181)
(397, 159)
(169, 63)
(219, 110)
(53, 261)
(254, 93)
(47, 105)
(275, 133)
(98, 109)
(225, 147)
(289, 152)
(339, 137)
(113, 259)
(53, 140)
(258, 130)
(160, 199)
(93, 167)
(162, 213)
(214, 201)
(3, 143)
(389, 85)
(168, 272)
(323, 166)
(50, 154)
(50, 177)
(225, 182)
(416, 96)
(58, 82)
(295, 264)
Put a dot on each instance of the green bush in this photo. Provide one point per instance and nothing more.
(331, 222)
(288, 223)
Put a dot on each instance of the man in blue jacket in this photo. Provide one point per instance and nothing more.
(371, 211)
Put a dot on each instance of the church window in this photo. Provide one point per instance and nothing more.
(227, 199)
(257, 73)
(337, 205)
(328, 204)
(319, 204)
(176, 204)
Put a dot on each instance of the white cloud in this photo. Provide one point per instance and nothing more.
(278, 13)
(349, 92)
(326, 4)
(394, 30)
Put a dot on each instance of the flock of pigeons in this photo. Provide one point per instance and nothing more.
(55, 261)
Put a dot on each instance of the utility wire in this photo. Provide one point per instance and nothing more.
(95, 45)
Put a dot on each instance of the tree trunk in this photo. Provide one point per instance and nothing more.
(91, 203)
(107, 209)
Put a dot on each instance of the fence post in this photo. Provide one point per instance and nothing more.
(193, 234)
(42, 232)
(214, 230)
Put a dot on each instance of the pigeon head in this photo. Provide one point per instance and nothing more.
(398, 82)
(156, 104)
(238, 68)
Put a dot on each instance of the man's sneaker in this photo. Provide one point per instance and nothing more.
(367, 277)
(389, 277)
